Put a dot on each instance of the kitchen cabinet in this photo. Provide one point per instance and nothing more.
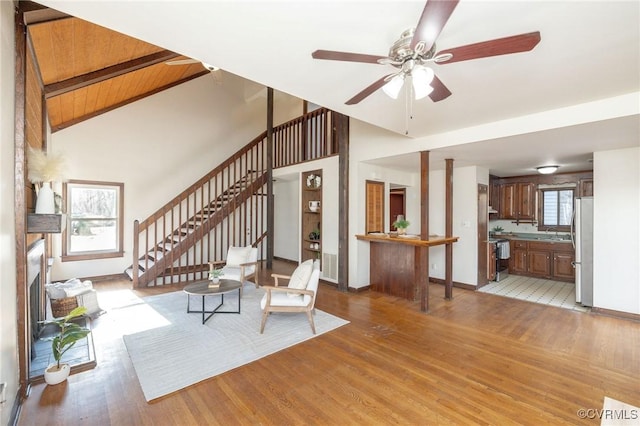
(586, 187)
(494, 196)
(542, 259)
(311, 212)
(491, 261)
(518, 258)
(517, 201)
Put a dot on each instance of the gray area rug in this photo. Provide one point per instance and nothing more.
(177, 350)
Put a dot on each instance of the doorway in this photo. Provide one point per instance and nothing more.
(483, 232)
(397, 205)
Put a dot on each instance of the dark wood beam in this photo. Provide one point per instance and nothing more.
(34, 13)
(341, 128)
(20, 143)
(125, 102)
(270, 200)
(423, 264)
(448, 274)
(74, 83)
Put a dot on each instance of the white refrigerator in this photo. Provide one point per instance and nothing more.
(582, 238)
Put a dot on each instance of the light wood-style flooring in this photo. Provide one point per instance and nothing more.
(477, 359)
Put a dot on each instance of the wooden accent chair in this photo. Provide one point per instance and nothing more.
(298, 296)
(241, 264)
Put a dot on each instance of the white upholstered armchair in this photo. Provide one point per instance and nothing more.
(298, 296)
(241, 265)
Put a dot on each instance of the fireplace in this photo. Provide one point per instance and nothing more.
(36, 277)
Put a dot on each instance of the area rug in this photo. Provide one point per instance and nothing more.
(178, 350)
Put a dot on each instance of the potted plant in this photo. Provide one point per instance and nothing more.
(66, 337)
(497, 230)
(215, 274)
(401, 225)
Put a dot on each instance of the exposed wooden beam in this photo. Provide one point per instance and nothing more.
(270, 200)
(74, 83)
(341, 128)
(448, 274)
(125, 102)
(422, 253)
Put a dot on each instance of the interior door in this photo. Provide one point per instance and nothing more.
(374, 220)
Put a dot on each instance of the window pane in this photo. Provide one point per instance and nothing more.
(566, 207)
(93, 202)
(550, 208)
(93, 235)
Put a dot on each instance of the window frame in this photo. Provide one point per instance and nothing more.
(558, 228)
(66, 235)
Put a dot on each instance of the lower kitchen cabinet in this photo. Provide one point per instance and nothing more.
(563, 266)
(551, 260)
(539, 263)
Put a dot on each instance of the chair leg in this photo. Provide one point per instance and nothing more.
(313, 326)
(265, 314)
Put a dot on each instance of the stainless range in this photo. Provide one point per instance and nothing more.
(502, 258)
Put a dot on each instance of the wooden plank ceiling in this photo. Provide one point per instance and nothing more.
(87, 70)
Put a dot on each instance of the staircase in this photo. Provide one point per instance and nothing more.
(226, 207)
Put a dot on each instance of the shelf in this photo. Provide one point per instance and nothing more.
(311, 221)
(44, 223)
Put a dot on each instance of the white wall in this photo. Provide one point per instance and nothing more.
(157, 147)
(8, 325)
(616, 239)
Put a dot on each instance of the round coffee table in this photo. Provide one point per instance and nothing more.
(206, 288)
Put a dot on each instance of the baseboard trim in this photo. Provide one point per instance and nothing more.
(455, 284)
(359, 289)
(616, 314)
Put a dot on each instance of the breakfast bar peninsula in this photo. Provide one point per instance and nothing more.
(399, 265)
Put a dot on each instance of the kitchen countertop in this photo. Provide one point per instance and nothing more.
(551, 238)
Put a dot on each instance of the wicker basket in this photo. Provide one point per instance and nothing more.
(62, 307)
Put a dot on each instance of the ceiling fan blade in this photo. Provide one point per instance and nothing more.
(496, 47)
(434, 16)
(440, 91)
(346, 56)
(183, 62)
(368, 91)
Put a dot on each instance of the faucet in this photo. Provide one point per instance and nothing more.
(551, 228)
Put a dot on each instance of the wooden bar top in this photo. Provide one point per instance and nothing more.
(412, 240)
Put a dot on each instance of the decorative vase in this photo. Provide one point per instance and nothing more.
(402, 231)
(215, 280)
(45, 203)
(53, 376)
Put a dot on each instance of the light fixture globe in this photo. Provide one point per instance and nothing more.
(547, 170)
(392, 88)
(422, 78)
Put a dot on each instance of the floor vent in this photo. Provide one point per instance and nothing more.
(330, 266)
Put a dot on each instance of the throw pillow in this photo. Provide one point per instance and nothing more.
(300, 277)
(238, 255)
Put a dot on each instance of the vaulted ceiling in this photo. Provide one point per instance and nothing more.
(87, 69)
(575, 93)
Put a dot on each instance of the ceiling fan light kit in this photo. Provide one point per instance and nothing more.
(416, 47)
(547, 170)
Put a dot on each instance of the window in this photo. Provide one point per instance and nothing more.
(556, 209)
(94, 220)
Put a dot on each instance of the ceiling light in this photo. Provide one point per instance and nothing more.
(422, 77)
(392, 88)
(546, 170)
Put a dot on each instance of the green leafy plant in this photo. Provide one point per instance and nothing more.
(401, 224)
(498, 229)
(69, 333)
(216, 273)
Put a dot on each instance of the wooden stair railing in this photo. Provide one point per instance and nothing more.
(225, 207)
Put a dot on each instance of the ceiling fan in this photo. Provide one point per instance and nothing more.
(416, 47)
(192, 61)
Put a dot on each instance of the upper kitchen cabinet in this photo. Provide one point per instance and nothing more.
(517, 201)
(586, 187)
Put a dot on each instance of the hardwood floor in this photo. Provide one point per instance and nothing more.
(478, 359)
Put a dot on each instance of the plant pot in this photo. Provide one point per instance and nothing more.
(45, 203)
(53, 376)
(402, 231)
